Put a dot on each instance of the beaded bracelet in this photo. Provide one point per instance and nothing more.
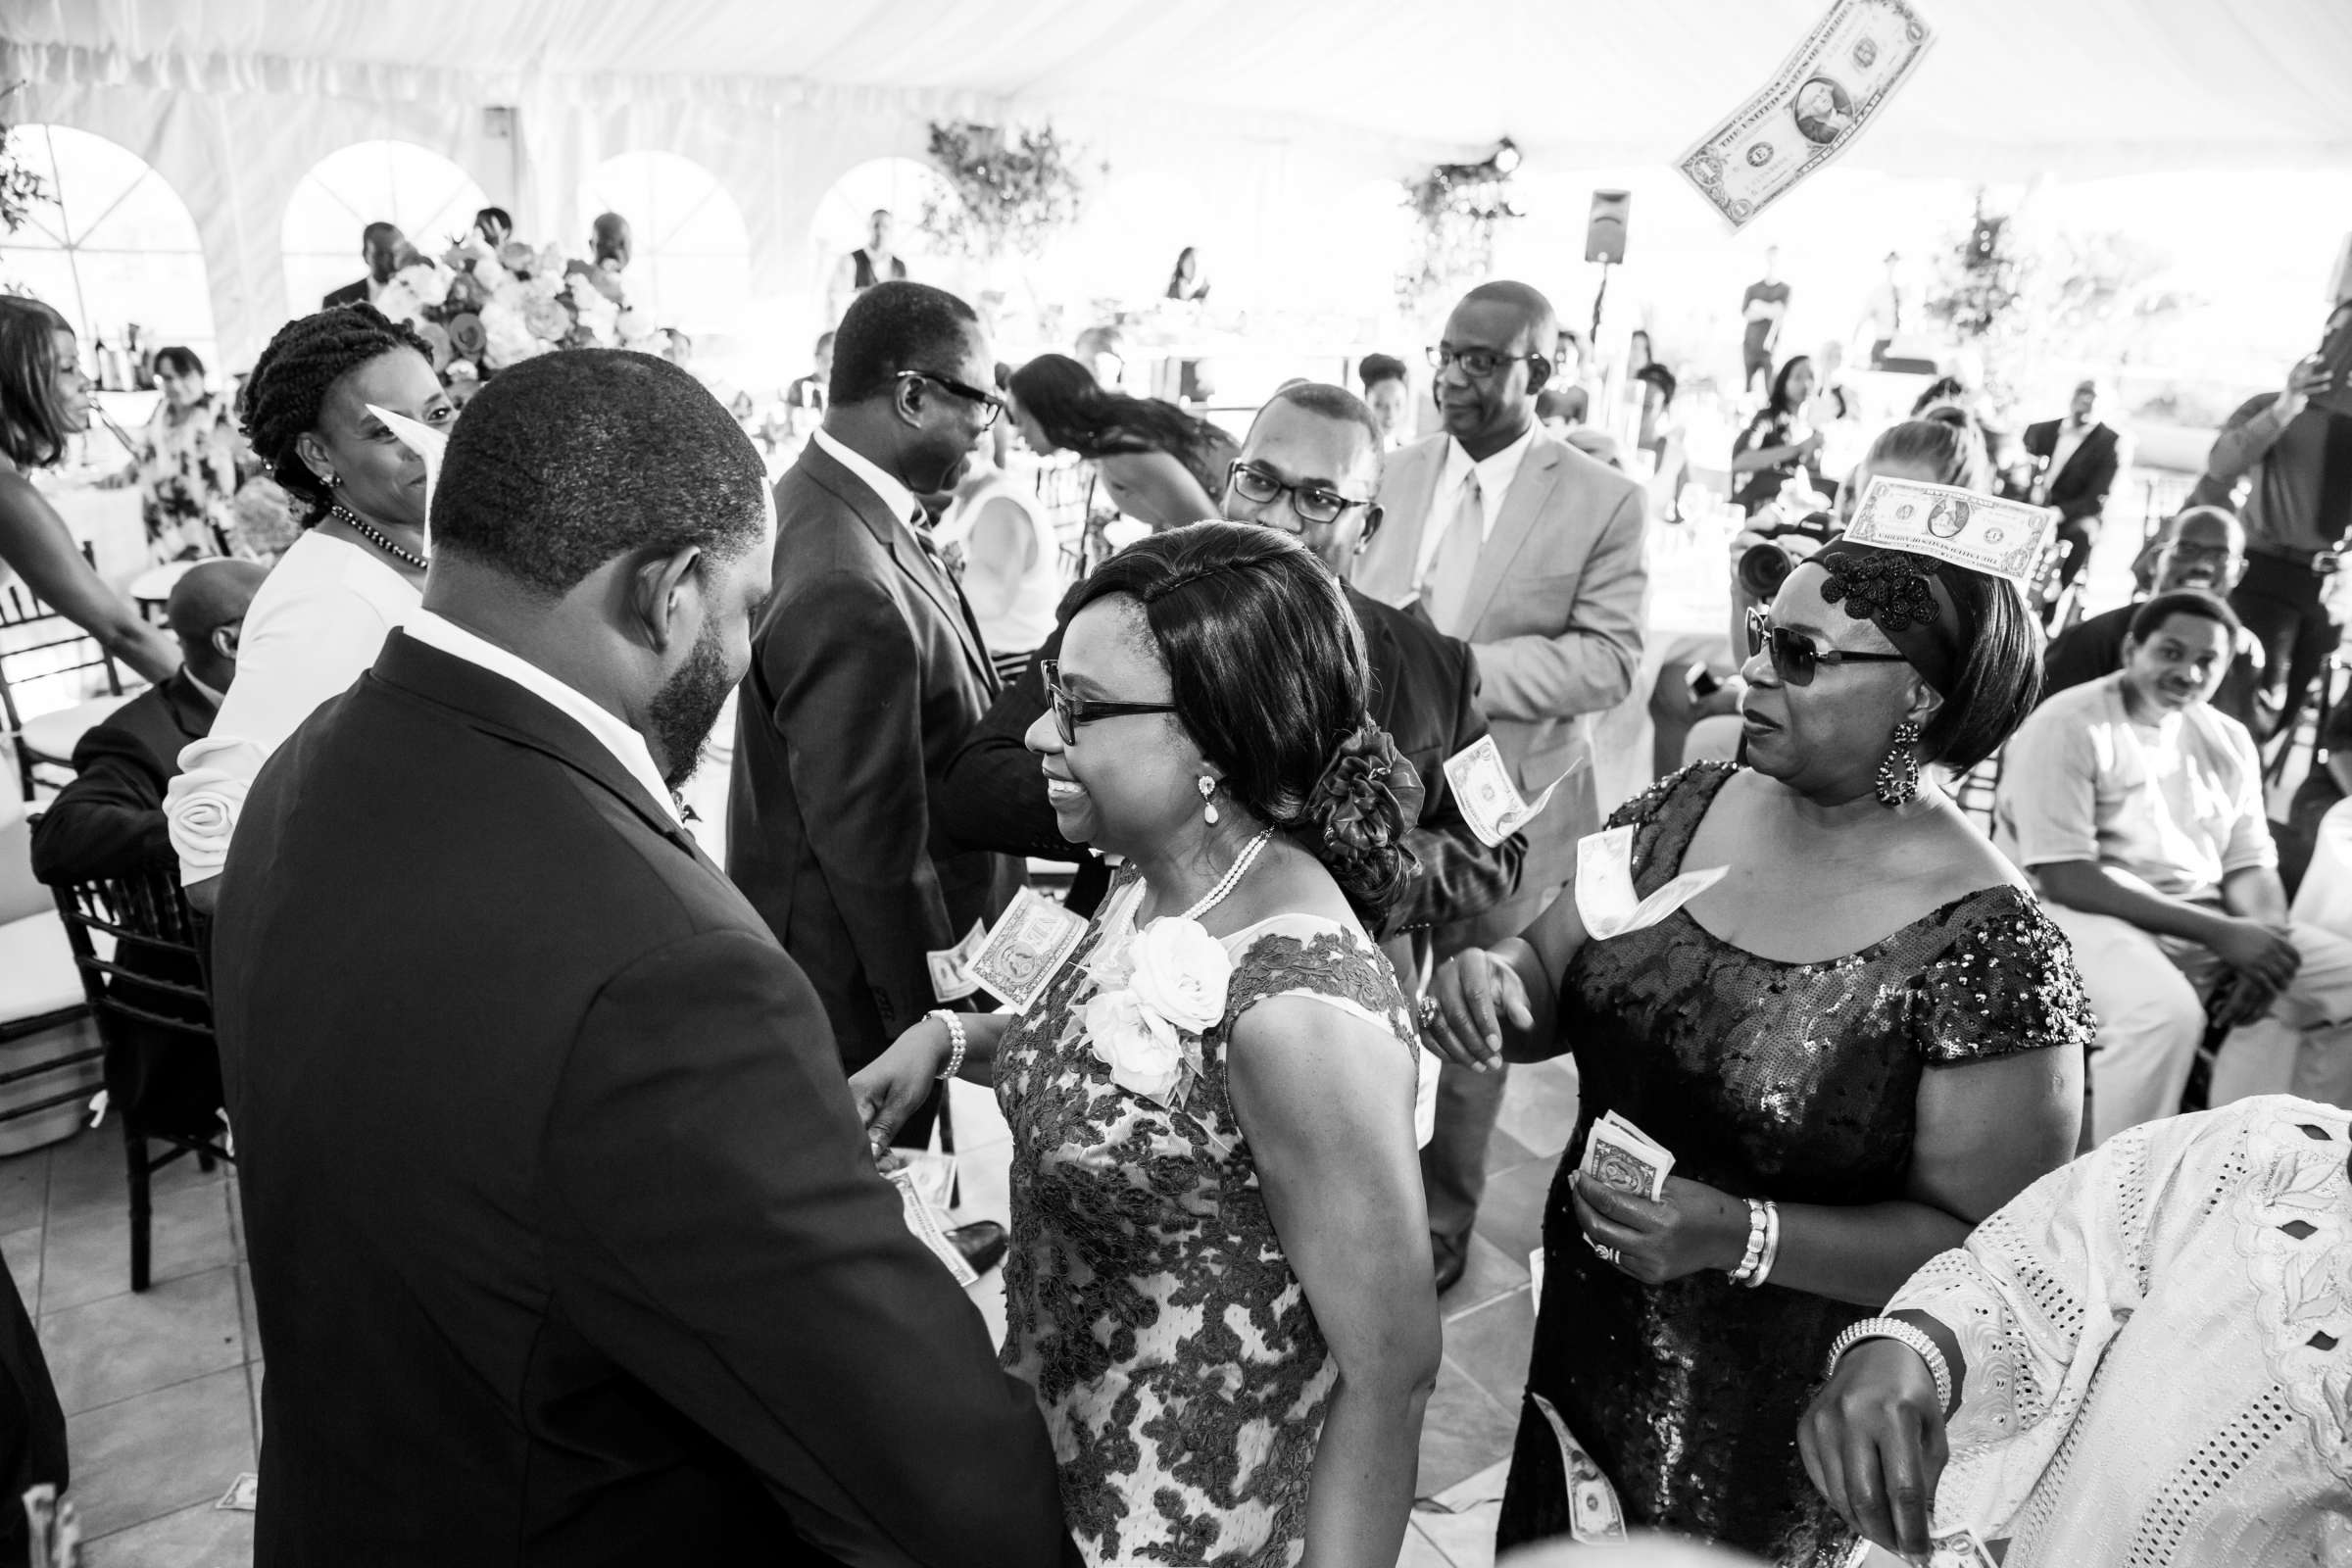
(956, 1041)
(1894, 1328)
(1757, 1226)
(1772, 1246)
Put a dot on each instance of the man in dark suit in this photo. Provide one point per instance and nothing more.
(868, 674)
(566, 1243)
(383, 247)
(2074, 469)
(109, 820)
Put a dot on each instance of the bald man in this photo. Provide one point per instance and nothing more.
(612, 245)
(1531, 552)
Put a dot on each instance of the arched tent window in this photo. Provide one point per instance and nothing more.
(430, 198)
(116, 247)
(691, 262)
(899, 186)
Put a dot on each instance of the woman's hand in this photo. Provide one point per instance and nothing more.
(1691, 1227)
(890, 1088)
(1473, 991)
(1874, 1443)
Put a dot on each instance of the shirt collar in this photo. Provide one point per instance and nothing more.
(896, 497)
(628, 747)
(1495, 470)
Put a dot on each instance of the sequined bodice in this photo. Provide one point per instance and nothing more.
(1790, 1081)
(1146, 1295)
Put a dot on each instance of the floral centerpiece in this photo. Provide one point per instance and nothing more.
(481, 312)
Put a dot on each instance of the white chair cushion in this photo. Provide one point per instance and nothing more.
(36, 968)
(57, 734)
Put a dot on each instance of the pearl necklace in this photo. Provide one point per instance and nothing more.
(1231, 879)
(376, 536)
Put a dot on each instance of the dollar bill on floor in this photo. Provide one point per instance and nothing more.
(1025, 948)
(1605, 899)
(1489, 801)
(242, 1493)
(1834, 83)
(1983, 533)
(952, 968)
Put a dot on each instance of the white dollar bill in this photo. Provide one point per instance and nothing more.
(1490, 803)
(924, 1220)
(1605, 899)
(1960, 1548)
(1835, 83)
(1027, 946)
(1983, 533)
(951, 969)
(1594, 1514)
(1621, 1155)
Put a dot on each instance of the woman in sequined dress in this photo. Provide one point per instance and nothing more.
(1219, 1275)
(1867, 1024)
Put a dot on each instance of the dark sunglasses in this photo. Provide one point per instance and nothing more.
(1071, 711)
(1794, 655)
(991, 405)
(1313, 504)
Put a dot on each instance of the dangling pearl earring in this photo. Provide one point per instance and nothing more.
(1208, 807)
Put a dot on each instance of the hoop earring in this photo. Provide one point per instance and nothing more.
(1898, 773)
(1208, 807)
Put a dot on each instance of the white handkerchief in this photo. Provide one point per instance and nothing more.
(1605, 887)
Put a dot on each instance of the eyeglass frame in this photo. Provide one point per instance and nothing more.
(1762, 634)
(1296, 493)
(992, 402)
(1441, 355)
(1071, 711)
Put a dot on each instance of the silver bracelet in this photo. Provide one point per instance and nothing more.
(1894, 1328)
(1748, 1261)
(1772, 1244)
(956, 1041)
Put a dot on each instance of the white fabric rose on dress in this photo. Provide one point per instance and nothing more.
(201, 808)
(1182, 974)
(1141, 1048)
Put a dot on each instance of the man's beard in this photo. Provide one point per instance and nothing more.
(687, 706)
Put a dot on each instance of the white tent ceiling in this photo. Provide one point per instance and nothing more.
(2015, 88)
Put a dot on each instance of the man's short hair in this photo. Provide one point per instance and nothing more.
(379, 229)
(893, 326)
(1542, 321)
(568, 460)
(1378, 367)
(1331, 403)
(1662, 378)
(2151, 616)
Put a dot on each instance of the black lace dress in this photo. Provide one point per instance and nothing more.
(1789, 1081)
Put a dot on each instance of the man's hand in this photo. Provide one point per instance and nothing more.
(2264, 954)
(2305, 381)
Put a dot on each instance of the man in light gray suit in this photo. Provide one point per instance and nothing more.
(1531, 552)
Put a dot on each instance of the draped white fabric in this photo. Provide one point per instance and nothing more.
(1266, 104)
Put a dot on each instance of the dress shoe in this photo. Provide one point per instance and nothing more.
(1451, 1257)
(982, 1244)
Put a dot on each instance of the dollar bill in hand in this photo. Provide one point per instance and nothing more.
(951, 969)
(924, 1220)
(1960, 1548)
(1620, 1154)
(1026, 947)
(1836, 80)
(1605, 899)
(1983, 533)
(1490, 803)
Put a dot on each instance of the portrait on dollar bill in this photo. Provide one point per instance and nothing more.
(1823, 111)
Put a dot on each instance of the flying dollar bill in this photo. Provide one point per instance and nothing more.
(1025, 948)
(1983, 533)
(1483, 788)
(1830, 86)
(1605, 899)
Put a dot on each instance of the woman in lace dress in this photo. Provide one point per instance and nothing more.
(1859, 1043)
(1219, 1279)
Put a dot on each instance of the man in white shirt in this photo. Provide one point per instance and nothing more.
(1531, 552)
(2138, 809)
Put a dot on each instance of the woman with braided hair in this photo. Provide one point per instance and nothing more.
(357, 571)
(44, 398)
(1220, 1278)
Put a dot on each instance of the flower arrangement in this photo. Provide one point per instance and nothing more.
(1011, 192)
(483, 312)
(1457, 209)
(1154, 999)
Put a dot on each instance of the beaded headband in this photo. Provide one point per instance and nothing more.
(1904, 596)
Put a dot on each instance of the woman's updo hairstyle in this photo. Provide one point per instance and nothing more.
(290, 382)
(1266, 668)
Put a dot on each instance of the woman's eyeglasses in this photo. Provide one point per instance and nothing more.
(1071, 711)
(1794, 657)
(1313, 504)
(990, 404)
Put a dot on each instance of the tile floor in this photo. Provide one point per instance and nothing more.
(162, 1389)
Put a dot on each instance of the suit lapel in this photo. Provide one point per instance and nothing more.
(1522, 505)
(896, 537)
(1413, 479)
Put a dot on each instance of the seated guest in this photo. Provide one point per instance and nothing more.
(1777, 445)
(1389, 394)
(1160, 464)
(566, 1245)
(2073, 463)
(109, 820)
(2135, 1360)
(2138, 811)
(2203, 549)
